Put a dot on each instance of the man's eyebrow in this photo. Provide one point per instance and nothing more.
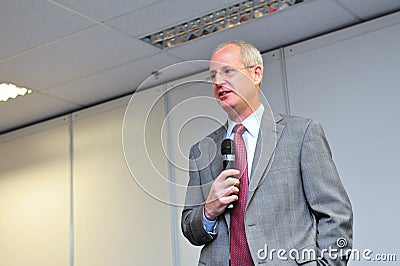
(224, 67)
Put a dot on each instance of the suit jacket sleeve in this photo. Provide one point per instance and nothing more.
(191, 222)
(326, 196)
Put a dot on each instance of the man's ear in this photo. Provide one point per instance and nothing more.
(258, 74)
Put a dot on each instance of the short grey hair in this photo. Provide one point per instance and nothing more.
(251, 56)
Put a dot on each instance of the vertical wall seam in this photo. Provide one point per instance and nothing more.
(173, 209)
(71, 180)
(285, 81)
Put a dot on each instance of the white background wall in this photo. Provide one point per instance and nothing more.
(347, 80)
(115, 221)
(34, 195)
(351, 86)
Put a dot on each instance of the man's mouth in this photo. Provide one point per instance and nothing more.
(223, 93)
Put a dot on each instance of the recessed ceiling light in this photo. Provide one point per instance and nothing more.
(10, 91)
(218, 20)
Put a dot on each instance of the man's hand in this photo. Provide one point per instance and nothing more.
(224, 190)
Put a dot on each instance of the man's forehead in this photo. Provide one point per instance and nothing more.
(219, 64)
(229, 61)
(229, 50)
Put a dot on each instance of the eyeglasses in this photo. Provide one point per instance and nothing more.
(226, 72)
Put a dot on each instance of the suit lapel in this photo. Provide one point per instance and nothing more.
(216, 157)
(270, 132)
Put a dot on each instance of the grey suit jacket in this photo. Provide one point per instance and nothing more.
(296, 201)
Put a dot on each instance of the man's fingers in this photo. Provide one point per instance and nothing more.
(229, 199)
(228, 195)
(227, 192)
(232, 181)
(233, 190)
(229, 172)
(224, 191)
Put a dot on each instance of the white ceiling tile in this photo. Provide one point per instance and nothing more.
(102, 10)
(367, 9)
(115, 82)
(27, 24)
(31, 108)
(85, 53)
(165, 14)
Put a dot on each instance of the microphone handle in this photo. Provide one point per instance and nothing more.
(229, 164)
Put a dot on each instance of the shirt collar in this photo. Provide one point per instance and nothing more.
(252, 123)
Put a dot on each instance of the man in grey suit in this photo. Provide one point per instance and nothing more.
(295, 208)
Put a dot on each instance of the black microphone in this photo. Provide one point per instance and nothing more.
(228, 157)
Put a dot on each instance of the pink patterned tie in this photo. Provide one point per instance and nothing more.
(240, 252)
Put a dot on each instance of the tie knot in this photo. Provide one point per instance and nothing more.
(239, 129)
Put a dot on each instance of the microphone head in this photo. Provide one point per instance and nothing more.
(227, 147)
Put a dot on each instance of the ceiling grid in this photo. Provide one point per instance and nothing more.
(73, 53)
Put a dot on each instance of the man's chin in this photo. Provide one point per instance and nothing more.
(228, 108)
(224, 105)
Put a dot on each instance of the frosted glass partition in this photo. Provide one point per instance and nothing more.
(35, 195)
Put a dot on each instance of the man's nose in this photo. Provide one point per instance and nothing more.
(219, 79)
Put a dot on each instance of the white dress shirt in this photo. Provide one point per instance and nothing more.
(252, 124)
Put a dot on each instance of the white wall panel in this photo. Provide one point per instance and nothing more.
(116, 221)
(273, 86)
(35, 195)
(352, 87)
